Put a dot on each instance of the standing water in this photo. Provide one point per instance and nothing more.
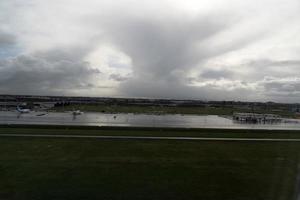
(140, 120)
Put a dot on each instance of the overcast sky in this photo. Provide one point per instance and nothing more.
(183, 49)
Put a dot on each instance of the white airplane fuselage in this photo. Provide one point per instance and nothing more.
(77, 112)
(21, 110)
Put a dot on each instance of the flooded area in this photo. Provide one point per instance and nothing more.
(140, 120)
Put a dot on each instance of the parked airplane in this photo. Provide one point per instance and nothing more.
(23, 110)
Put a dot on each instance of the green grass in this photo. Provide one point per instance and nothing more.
(169, 110)
(44, 168)
(146, 131)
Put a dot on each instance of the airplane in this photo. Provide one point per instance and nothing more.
(23, 110)
(77, 112)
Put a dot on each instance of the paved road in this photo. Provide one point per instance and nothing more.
(151, 137)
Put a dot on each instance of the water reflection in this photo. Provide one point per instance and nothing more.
(101, 119)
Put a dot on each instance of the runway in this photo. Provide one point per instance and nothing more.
(111, 137)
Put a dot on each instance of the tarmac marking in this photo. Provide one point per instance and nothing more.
(152, 137)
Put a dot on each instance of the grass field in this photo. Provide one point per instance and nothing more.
(64, 168)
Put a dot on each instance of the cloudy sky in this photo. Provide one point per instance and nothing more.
(183, 49)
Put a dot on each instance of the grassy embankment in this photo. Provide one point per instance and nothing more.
(169, 110)
(62, 168)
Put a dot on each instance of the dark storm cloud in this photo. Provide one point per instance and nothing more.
(118, 77)
(50, 72)
(175, 49)
(157, 48)
(163, 51)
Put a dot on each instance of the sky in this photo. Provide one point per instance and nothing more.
(242, 50)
